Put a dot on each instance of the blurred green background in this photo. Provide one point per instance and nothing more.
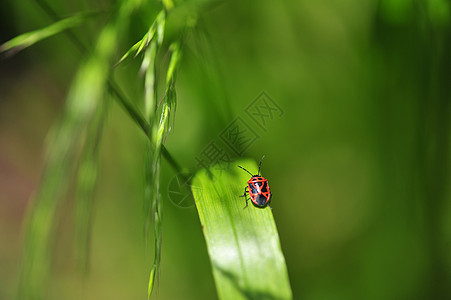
(359, 163)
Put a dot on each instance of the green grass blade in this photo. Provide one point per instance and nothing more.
(30, 38)
(243, 244)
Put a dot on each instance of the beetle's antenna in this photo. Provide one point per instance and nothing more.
(260, 164)
(245, 170)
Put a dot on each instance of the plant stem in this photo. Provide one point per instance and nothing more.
(143, 124)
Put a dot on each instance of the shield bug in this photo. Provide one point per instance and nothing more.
(258, 189)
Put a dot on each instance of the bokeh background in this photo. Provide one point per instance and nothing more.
(359, 163)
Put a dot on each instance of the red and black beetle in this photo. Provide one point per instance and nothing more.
(258, 189)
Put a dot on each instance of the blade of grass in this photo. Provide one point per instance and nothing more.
(30, 38)
(243, 244)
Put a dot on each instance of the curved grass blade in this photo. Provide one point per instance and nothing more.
(30, 38)
(243, 244)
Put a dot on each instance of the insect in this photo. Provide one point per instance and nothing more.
(258, 189)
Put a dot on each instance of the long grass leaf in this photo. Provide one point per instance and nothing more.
(243, 244)
(30, 38)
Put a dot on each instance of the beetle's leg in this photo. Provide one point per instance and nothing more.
(245, 191)
(244, 195)
(246, 203)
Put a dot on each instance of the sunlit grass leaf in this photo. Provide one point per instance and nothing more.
(30, 38)
(243, 244)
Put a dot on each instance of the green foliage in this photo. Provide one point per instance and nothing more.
(364, 137)
(243, 244)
